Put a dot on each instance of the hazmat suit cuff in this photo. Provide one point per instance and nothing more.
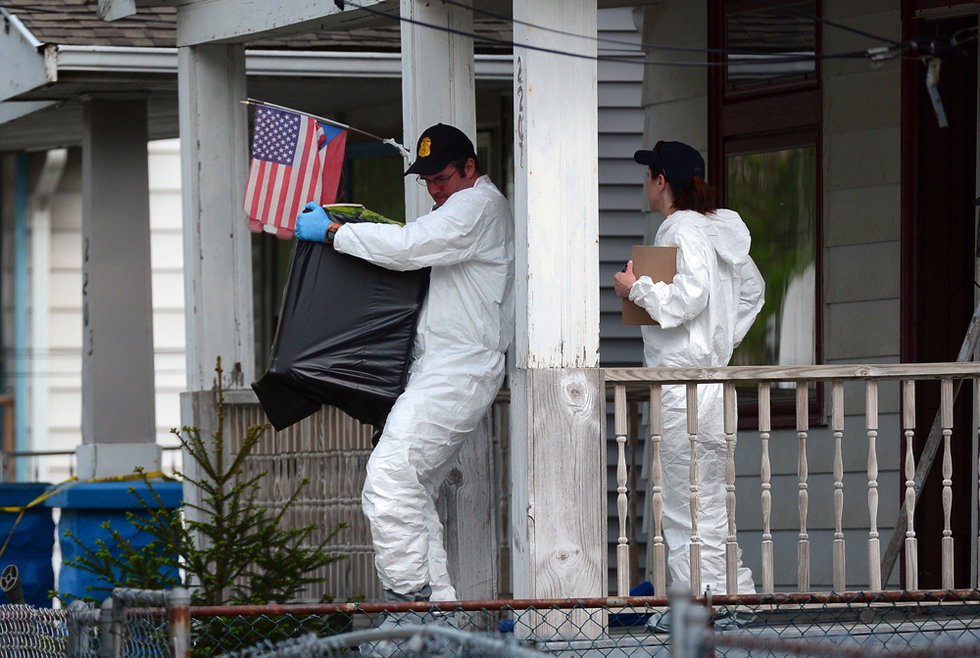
(340, 237)
(649, 295)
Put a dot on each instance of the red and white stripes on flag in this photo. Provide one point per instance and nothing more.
(290, 159)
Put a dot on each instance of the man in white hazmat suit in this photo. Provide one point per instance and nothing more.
(703, 314)
(464, 329)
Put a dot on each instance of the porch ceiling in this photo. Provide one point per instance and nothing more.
(62, 53)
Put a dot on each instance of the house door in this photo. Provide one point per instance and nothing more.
(939, 245)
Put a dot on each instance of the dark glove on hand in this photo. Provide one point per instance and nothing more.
(315, 225)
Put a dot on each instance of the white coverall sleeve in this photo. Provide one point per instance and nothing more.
(686, 296)
(447, 235)
(750, 300)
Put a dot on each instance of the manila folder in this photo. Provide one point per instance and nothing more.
(658, 263)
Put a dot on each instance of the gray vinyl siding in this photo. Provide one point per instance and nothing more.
(621, 222)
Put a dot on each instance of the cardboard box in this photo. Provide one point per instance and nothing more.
(658, 263)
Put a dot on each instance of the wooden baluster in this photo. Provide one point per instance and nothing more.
(692, 431)
(622, 548)
(659, 548)
(837, 425)
(911, 543)
(765, 426)
(802, 428)
(731, 543)
(871, 422)
(946, 403)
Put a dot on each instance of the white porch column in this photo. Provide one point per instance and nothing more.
(438, 85)
(558, 451)
(217, 243)
(118, 423)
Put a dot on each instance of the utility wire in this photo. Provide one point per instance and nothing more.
(503, 42)
(762, 57)
(930, 45)
(631, 45)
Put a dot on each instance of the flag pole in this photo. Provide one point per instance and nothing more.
(390, 141)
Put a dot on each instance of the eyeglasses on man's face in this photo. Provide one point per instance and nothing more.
(437, 181)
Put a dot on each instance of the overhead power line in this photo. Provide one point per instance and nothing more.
(876, 54)
(918, 47)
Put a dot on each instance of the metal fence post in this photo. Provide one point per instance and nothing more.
(106, 630)
(119, 604)
(696, 625)
(179, 610)
(680, 603)
(77, 629)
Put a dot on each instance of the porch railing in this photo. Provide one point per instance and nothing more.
(863, 381)
(60, 465)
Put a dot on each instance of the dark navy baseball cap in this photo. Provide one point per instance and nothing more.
(677, 161)
(438, 146)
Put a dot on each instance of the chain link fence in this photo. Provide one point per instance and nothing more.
(854, 624)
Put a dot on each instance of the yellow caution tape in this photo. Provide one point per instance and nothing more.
(19, 510)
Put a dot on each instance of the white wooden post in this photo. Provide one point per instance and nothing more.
(946, 406)
(803, 495)
(217, 242)
(694, 504)
(438, 85)
(118, 423)
(911, 543)
(657, 550)
(874, 543)
(558, 449)
(837, 427)
(765, 427)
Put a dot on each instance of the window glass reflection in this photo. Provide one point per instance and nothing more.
(775, 193)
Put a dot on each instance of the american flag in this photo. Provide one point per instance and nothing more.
(294, 161)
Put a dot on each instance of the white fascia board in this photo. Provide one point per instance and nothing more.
(110, 10)
(356, 65)
(116, 59)
(24, 65)
(216, 21)
(288, 63)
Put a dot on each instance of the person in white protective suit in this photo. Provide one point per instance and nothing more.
(703, 314)
(464, 329)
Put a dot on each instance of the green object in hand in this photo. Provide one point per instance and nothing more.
(355, 212)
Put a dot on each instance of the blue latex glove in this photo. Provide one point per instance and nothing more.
(314, 225)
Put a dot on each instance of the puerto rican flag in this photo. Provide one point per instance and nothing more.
(295, 159)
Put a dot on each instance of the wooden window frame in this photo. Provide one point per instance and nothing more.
(767, 116)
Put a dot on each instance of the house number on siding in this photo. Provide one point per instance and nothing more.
(521, 119)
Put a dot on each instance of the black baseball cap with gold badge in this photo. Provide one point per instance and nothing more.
(438, 146)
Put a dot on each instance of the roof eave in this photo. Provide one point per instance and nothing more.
(24, 58)
(306, 63)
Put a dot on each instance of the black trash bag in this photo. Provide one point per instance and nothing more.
(345, 335)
